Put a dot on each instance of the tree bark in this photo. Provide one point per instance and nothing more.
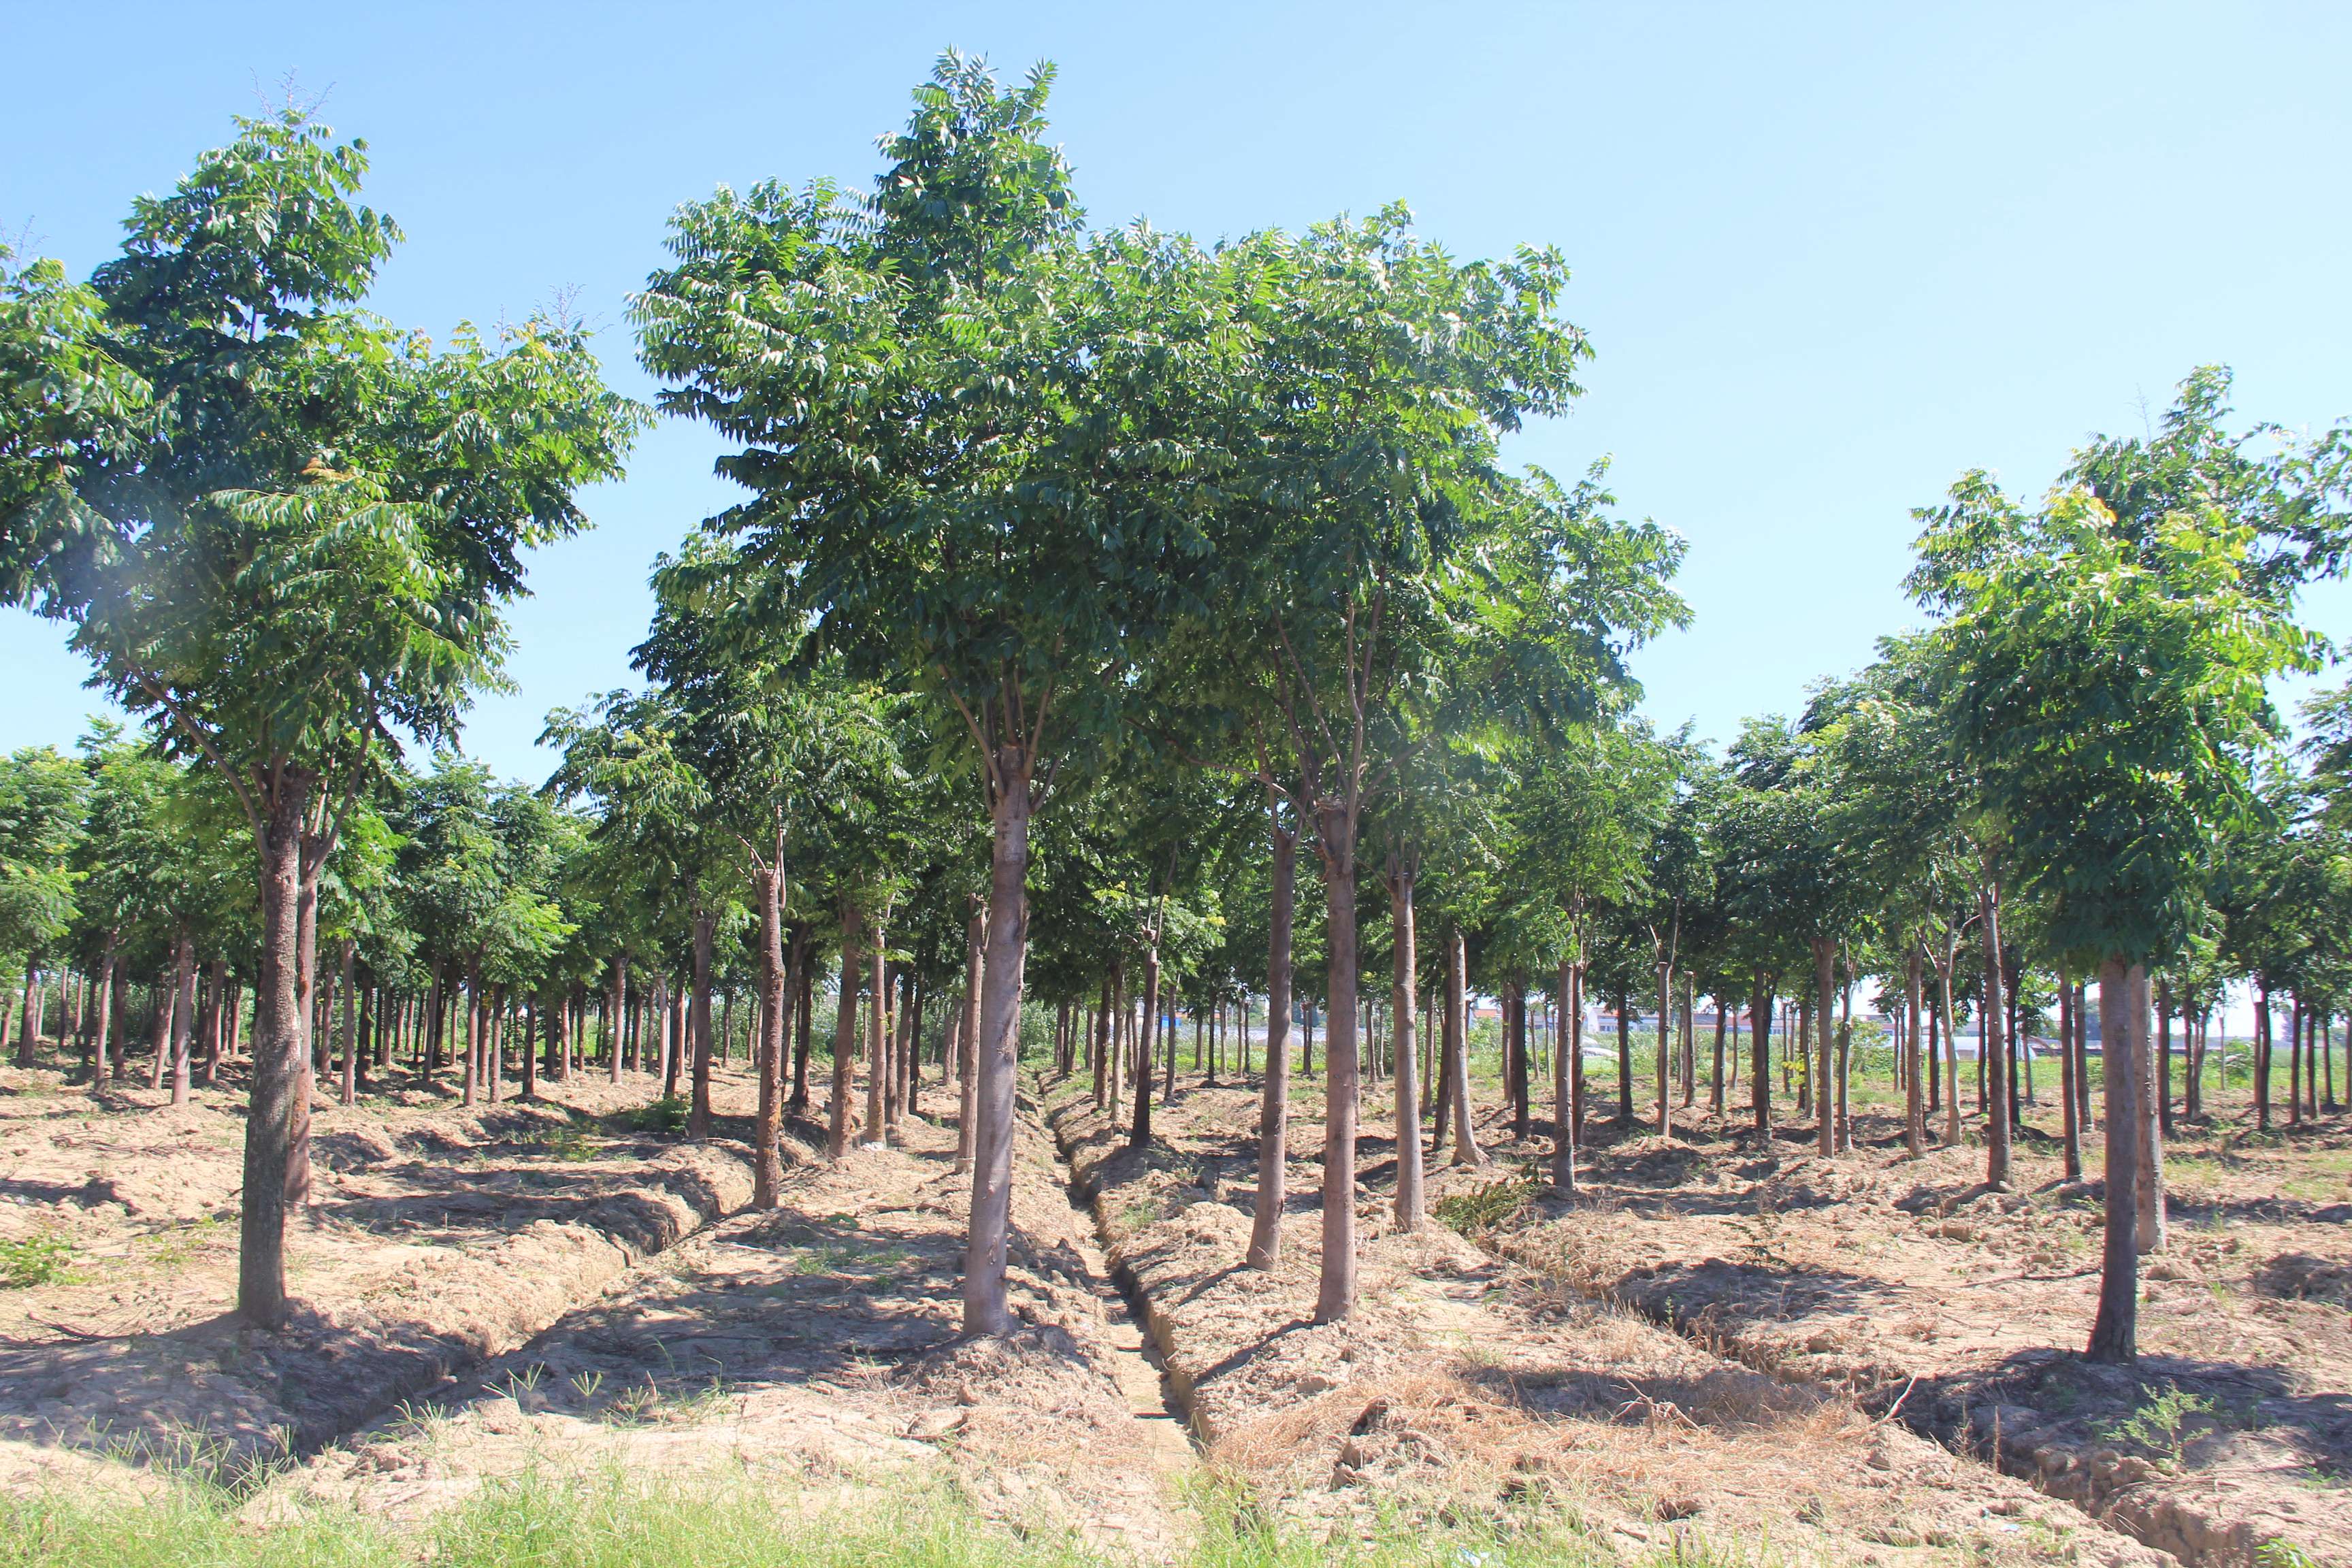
(1824, 994)
(698, 1022)
(184, 1011)
(2148, 1145)
(2072, 1125)
(985, 1309)
(844, 1039)
(1666, 1046)
(1274, 1105)
(1914, 1103)
(1335, 1298)
(1565, 1062)
(1989, 1051)
(1761, 1005)
(767, 1162)
(1409, 1211)
(277, 1045)
(877, 1038)
(2114, 1335)
(975, 960)
(107, 984)
(350, 1085)
(1140, 1134)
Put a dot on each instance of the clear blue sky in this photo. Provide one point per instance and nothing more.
(1830, 255)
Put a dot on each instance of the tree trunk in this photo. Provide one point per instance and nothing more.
(975, 960)
(984, 1311)
(1140, 1134)
(1666, 1046)
(1457, 1050)
(108, 981)
(2072, 1124)
(1409, 1212)
(1989, 1051)
(184, 1011)
(306, 982)
(801, 975)
(1761, 1005)
(2114, 1335)
(1563, 1078)
(766, 1162)
(1715, 1080)
(2164, 1058)
(2148, 1145)
(1824, 990)
(350, 1085)
(844, 1040)
(1335, 1298)
(2262, 1052)
(28, 1033)
(1914, 1102)
(878, 1039)
(697, 1023)
(1274, 1105)
(277, 1045)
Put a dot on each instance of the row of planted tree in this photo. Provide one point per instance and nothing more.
(1081, 578)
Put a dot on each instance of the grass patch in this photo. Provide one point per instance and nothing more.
(667, 1114)
(42, 1259)
(1487, 1207)
(549, 1520)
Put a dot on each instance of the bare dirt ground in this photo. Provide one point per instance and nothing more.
(493, 1289)
(1472, 1384)
(438, 1234)
(1891, 1279)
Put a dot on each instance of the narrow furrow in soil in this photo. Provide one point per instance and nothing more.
(1909, 1288)
(1467, 1385)
(822, 1340)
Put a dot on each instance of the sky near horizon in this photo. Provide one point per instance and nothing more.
(1830, 255)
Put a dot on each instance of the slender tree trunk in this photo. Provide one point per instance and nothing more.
(108, 979)
(2072, 1127)
(1563, 1087)
(1824, 990)
(1457, 1049)
(1666, 1046)
(2115, 1336)
(1714, 1080)
(1989, 1052)
(1335, 1298)
(844, 1040)
(801, 975)
(877, 1042)
(184, 1011)
(348, 1086)
(705, 928)
(975, 961)
(1515, 1064)
(2262, 1048)
(306, 981)
(1761, 1005)
(1273, 1106)
(766, 1162)
(277, 1045)
(984, 1311)
(1409, 1212)
(615, 1015)
(2147, 1144)
(1625, 1059)
(1140, 1134)
(2164, 1058)
(1914, 1101)
(28, 1034)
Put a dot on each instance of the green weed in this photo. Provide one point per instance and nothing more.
(42, 1259)
(667, 1114)
(1489, 1207)
(2160, 1427)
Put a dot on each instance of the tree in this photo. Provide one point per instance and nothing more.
(295, 550)
(976, 468)
(42, 794)
(2115, 695)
